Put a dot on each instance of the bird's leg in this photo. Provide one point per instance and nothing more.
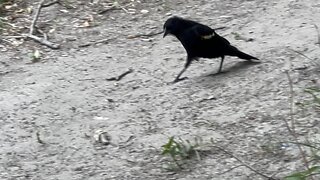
(221, 63)
(177, 79)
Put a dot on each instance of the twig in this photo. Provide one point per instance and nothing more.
(291, 97)
(12, 25)
(224, 172)
(38, 138)
(35, 18)
(16, 37)
(43, 41)
(300, 54)
(242, 162)
(304, 56)
(6, 41)
(120, 76)
(45, 36)
(292, 128)
(121, 7)
(51, 3)
(318, 32)
(97, 42)
(219, 28)
(144, 35)
(113, 7)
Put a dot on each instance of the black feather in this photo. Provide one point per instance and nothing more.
(201, 41)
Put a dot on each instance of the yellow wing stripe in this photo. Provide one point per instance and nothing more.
(207, 36)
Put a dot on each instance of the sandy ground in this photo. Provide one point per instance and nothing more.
(65, 97)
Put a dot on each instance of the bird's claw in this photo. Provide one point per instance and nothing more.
(178, 80)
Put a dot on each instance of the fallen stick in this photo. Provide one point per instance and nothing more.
(35, 38)
(51, 3)
(108, 9)
(45, 36)
(300, 54)
(96, 42)
(120, 76)
(35, 18)
(38, 138)
(144, 35)
(43, 41)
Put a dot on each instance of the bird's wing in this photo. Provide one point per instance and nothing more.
(207, 33)
(203, 32)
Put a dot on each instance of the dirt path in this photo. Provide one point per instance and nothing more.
(66, 97)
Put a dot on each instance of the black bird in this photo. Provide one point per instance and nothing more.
(200, 41)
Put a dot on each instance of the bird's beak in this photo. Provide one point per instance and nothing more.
(165, 32)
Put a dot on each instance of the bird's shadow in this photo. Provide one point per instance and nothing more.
(237, 67)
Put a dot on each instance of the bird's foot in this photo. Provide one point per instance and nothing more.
(178, 80)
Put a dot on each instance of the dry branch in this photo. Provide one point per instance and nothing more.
(301, 54)
(45, 36)
(144, 35)
(120, 76)
(43, 41)
(35, 18)
(51, 3)
(108, 9)
(312, 60)
(235, 167)
(96, 42)
(38, 138)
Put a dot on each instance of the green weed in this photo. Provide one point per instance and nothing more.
(180, 151)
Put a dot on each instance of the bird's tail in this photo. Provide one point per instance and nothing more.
(233, 51)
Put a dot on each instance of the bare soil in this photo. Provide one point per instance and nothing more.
(65, 97)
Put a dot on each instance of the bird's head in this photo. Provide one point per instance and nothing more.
(172, 26)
